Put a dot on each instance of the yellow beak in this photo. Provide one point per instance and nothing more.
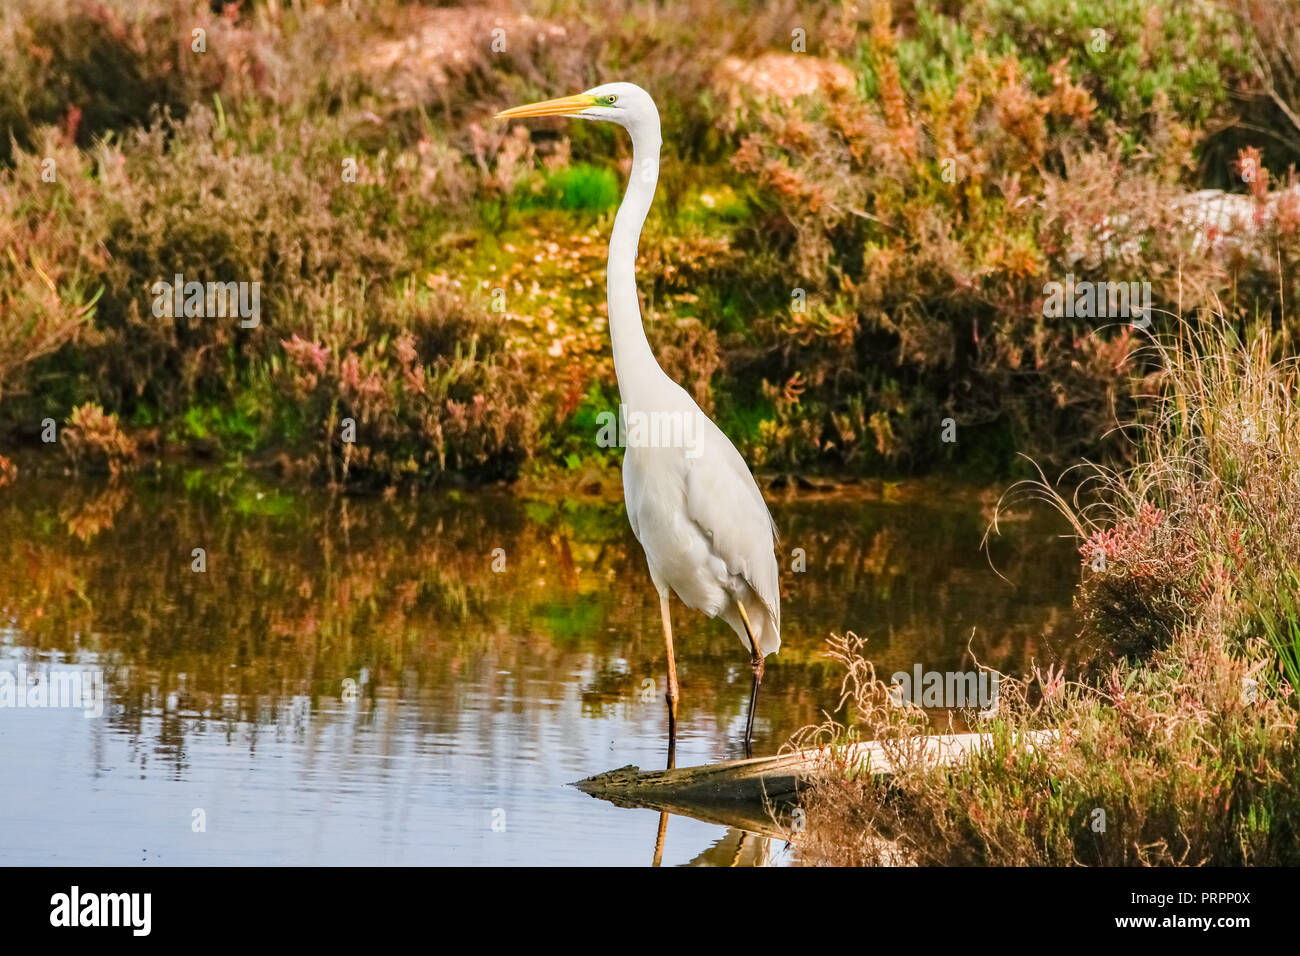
(564, 106)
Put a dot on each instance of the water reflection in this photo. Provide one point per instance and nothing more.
(498, 650)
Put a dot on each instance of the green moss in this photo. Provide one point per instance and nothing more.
(235, 429)
(576, 188)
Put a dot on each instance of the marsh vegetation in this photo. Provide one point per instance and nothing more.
(865, 220)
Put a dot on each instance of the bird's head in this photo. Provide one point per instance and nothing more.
(623, 103)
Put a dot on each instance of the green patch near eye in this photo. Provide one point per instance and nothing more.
(608, 100)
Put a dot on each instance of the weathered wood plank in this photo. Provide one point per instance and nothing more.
(759, 780)
(744, 781)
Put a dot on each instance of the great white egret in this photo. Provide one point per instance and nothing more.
(692, 502)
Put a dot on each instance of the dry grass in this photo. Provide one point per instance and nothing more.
(822, 171)
(1181, 726)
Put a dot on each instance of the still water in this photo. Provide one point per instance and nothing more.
(498, 648)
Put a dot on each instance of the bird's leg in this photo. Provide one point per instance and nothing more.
(672, 681)
(659, 838)
(756, 661)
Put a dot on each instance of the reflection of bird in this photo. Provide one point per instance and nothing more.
(691, 500)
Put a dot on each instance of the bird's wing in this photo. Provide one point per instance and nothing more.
(723, 500)
(632, 494)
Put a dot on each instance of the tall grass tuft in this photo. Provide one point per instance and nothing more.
(1178, 733)
(1204, 522)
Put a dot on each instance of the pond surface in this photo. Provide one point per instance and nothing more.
(416, 680)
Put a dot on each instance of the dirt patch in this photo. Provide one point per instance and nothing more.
(780, 76)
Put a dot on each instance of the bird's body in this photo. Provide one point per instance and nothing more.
(710, 557)
(692, 502)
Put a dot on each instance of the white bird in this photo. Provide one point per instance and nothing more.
(692, 502)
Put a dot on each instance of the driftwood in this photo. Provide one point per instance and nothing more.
(749, 793)
(736, 793)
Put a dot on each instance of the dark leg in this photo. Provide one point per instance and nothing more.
(756, 661)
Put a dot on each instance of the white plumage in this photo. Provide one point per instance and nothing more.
(692, 503)
(706, 531)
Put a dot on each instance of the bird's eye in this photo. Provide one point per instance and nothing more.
(611, 100)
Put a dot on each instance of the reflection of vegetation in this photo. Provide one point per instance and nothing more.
(299, 596)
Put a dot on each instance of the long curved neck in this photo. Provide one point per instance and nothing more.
(634, 363)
